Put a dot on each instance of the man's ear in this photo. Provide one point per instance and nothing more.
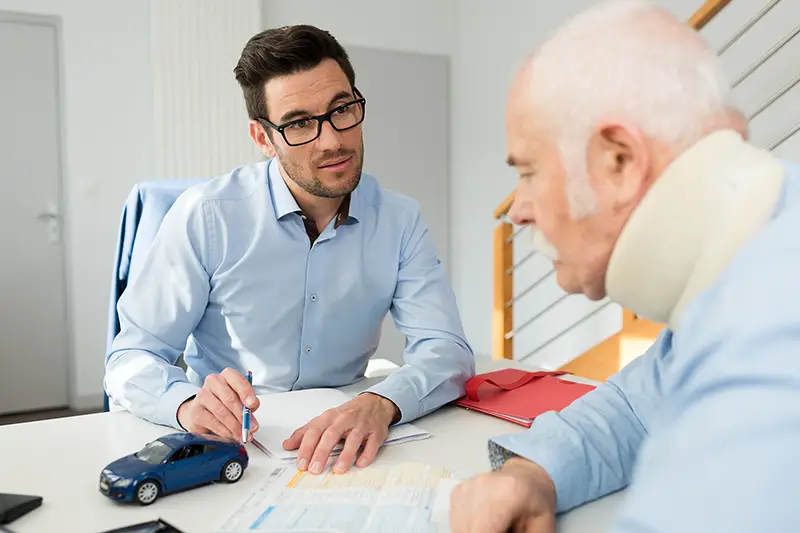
(261, 138)
(618, 158)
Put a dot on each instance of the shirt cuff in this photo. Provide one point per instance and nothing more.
(564, 466)
(401, 395)
(167, 410)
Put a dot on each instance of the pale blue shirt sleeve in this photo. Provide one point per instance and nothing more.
(589, 449)
(158, 312)
(727, 455)
(438, 359)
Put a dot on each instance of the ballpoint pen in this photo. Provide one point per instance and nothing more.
(246, 414)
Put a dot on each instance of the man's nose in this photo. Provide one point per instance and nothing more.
(329, 138)
(520, 212)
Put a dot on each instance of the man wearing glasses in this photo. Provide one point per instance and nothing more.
(287, 268)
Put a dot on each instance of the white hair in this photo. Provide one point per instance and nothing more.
(626, 60)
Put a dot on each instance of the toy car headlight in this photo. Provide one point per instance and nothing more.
(123, 483)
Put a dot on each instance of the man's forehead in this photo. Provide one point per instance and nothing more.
(523, 138)
(314, 88)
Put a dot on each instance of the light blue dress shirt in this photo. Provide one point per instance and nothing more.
(232, 270)
(705, 426)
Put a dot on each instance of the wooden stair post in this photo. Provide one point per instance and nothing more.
(503, 314)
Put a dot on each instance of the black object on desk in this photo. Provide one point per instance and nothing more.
(12, 506)
(155, 526)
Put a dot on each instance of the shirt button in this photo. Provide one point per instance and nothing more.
(313, 297)
(308, 349)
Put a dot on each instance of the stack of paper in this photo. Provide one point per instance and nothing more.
(406, 497)
(280, 414)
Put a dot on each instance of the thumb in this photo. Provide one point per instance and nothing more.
(293, 442)
(543, 523)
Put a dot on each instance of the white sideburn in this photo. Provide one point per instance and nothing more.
(691, 223)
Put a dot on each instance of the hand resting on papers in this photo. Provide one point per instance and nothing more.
(217, 407)
(364, 420)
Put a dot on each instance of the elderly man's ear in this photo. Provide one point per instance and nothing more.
(618, 162)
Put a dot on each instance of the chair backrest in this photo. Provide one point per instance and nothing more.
(145, 208)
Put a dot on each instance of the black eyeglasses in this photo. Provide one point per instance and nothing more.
(307, 129)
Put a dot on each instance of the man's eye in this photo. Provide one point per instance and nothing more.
(341, 109)
(300, 124)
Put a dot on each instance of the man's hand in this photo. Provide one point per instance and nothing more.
(519, 498)
(217, 407)
(365, 418)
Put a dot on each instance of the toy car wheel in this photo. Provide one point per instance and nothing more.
(147, 492)
(232, 471)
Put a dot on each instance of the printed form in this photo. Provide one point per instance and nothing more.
(407, 498)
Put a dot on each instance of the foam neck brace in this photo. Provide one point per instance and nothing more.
(689, 225)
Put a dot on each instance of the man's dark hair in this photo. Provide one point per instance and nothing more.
(282, 51)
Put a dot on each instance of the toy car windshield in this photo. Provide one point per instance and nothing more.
(154, 453)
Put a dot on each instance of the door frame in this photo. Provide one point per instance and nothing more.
(55, 22)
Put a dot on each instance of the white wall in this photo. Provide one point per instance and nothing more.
(492, 40)
(131, 116)
(412, 26)
(201, 125)
(108, 146)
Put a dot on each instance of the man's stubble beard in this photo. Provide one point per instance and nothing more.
(316, 187)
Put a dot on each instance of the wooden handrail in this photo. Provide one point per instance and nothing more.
(707, 11)
(504, 206)
(699, 18)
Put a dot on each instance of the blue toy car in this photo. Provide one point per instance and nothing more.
(172, 463)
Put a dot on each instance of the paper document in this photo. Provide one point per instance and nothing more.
(280, 414)
(407, 498)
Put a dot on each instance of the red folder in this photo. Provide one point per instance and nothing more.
(519, 396)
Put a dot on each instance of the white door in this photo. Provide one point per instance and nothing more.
(406, 142)
(33, 334)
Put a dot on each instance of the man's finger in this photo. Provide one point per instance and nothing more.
(220, 388)
(348, 455)
(536, 524)
(206, 420)
(238, 383)
(370, 450)
(293, 442)
(223, 414)
(470, 518)
(330, 438)
(307, 447)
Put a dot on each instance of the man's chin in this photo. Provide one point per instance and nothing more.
(565, 279)
(342, 185)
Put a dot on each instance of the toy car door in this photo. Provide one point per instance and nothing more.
(186, 468)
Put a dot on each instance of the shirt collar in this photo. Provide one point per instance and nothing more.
(284, 203)
(282, 199)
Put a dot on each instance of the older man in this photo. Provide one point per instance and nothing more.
(633, 173)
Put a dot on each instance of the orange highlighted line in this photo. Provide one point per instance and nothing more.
(295, 480)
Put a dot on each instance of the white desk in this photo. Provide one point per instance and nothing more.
(61, 460)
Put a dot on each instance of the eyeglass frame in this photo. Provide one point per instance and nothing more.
(325, 117)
